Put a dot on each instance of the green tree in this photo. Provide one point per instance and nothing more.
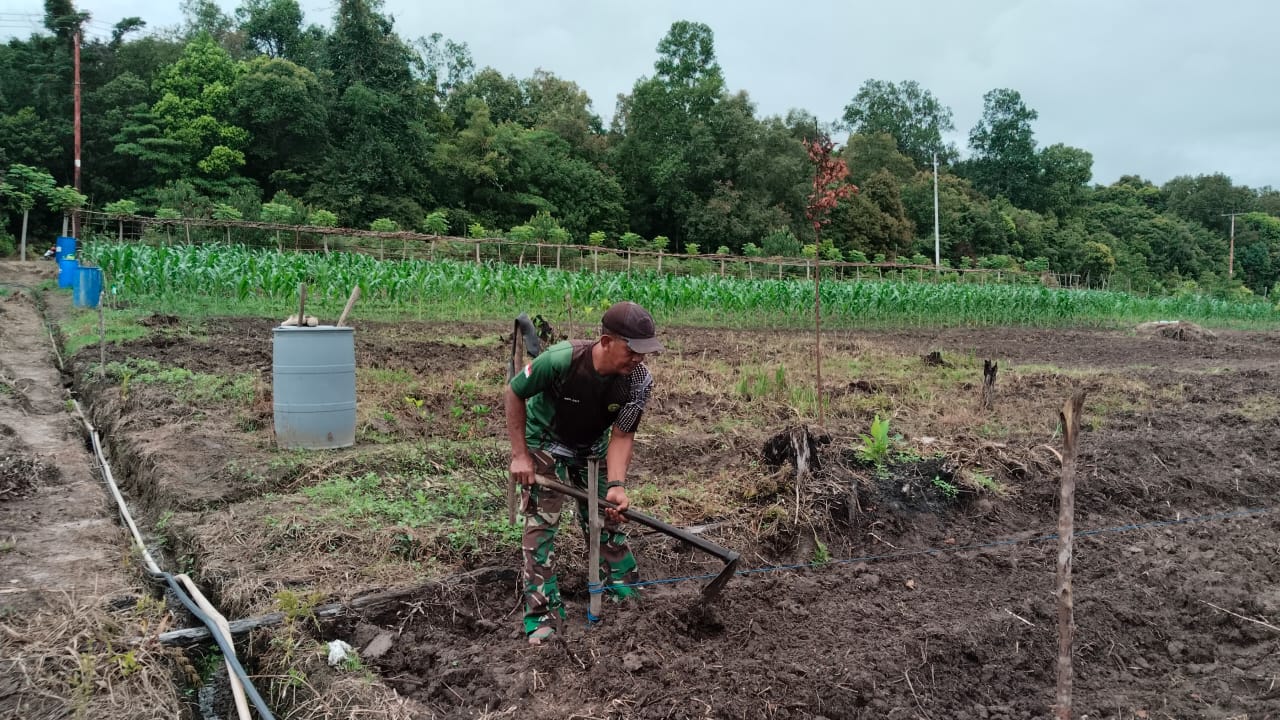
(667, 154)
(204, 17)
(277, 213)
(867, 155)
(378, 122)
(906, 112)
(875, 220)
(121, 209)
(28, 139)
(226, 212)
(1004, 160)
(284, 109)
(273, 28)
(436, 223)
(445, 65)
(61, 18)
(322, 218)
(561, 107)
(780, 243)
(1207, 199)
(23, 186)
(1099, 261)
(192, 118)
(1065, 173)
(65, 200)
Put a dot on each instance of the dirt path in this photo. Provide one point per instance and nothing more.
(65, 558)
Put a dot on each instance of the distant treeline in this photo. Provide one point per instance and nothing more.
(255, 116)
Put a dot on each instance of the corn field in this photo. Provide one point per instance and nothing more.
(251, 279)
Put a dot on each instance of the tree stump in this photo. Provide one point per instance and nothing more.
(989, 369)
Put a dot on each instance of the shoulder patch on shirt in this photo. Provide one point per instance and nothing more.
(528, 370)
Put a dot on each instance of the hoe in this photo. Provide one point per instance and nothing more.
(525, 339)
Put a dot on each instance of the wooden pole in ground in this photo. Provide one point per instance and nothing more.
(817, 338)
(593, 539)
(1069, 416)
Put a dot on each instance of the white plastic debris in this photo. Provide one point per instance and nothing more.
(339, 651)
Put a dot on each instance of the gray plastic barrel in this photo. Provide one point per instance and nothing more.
(313, 377)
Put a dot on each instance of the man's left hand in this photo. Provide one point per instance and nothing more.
(618, 496)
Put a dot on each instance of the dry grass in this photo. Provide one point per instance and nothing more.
(71, 659)
(299, 684)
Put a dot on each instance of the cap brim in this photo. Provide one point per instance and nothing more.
(645, 346)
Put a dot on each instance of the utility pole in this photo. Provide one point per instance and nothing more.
(75, 45)
(1231, 247)
(937, 238)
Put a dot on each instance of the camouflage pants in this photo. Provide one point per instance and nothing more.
(541, 509)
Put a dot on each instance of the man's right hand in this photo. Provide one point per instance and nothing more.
(522, 468)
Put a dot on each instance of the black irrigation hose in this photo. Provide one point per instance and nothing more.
(224, 644)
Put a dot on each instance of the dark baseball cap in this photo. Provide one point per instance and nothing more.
(634, 324)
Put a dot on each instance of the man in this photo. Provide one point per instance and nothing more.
(579, 399)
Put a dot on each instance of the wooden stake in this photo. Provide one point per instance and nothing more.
(593, 532)
(817, 339)
(351, 301)
(1069, 416)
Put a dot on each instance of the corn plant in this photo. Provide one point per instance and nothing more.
(876, 446)
(163, 275)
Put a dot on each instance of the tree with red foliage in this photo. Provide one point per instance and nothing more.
(830, 186)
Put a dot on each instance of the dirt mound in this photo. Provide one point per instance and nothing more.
(1176, 330)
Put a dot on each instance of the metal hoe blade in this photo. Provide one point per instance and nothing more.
(730, 558)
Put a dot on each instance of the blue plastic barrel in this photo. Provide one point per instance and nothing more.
(64, 247)
(313, 378)
(68, 271)
(88, 289)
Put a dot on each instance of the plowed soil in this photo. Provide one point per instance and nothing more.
(911, 591)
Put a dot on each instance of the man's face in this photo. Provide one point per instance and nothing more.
(619, 357)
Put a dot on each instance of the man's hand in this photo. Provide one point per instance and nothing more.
(618, 496)
(522, 468)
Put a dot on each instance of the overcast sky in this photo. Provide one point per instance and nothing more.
(1158, 88)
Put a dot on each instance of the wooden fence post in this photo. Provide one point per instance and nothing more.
(1069, 416)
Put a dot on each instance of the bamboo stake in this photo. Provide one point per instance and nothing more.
(1069, 416)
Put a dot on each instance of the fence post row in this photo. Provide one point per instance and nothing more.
(1069, 280)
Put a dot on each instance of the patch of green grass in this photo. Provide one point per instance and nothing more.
(469, 515)
(983, 481)
(1260, 408)
(187, 386)
(464, 341)
(821, 554)
(386, 376)
(757, 382)
(120, 326)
